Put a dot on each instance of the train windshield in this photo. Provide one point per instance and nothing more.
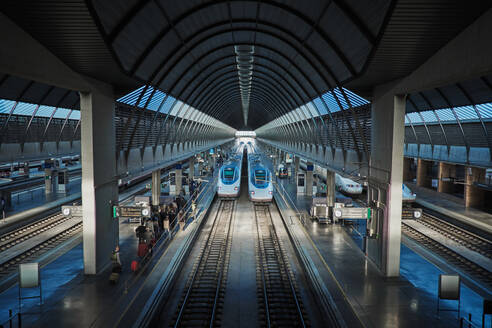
(261, 177)
(229, 173)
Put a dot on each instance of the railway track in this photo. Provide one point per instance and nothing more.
(9, 266)
(202, 300)
(472, 269)
(279, 302)
(459, 235)
(24, 233)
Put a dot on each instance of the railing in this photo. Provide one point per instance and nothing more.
(467, 323)
(283, 193)
(11, 319)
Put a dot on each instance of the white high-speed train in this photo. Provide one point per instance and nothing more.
(260, 187)
(229, 182)
(350, 187)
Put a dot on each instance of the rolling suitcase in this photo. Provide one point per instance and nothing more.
(114, 277)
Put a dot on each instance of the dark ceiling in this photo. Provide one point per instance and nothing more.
(301, 48)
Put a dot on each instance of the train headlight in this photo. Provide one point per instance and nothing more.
(417, 214)
(338, 213)
(235, 188)
(66, 211)
(145, 212)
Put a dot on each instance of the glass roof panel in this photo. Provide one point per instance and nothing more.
(319, 104)
(414, 118)
(75, 115)
(23, 108)
(445, 114)
(132, 97)
(466, 113)
(485, 110)
(61, 113)
(429, 116)
(6, 105)
(46, 111)
(146, 96)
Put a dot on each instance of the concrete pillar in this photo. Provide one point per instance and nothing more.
(309, 179)
(191, 167)
(178, 174)
(446, 175)
(474, 196)
(423, 173)
(330, 188)
(407, 172)
(156, 187)
(99, 185)
(297, 163)
(385, 181)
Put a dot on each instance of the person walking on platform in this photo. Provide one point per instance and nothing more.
(3, 204)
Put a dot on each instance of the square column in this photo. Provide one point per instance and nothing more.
(446, 174)
(385, 182)
(156, 187)
(178, 175)
(309, 179)
(474, 196)
(297, 162)
(423, 177)
(99, 184)
(191, 168)
(330, 188)
(407, 169)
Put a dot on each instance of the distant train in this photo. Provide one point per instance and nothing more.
(260, 186)
(229, 182)
(351, 187)
(347, 185)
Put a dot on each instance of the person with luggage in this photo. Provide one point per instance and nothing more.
(116, 265)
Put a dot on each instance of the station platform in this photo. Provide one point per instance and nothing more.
(407, 301)
(71, 298)
(452, 207)
(36, 196)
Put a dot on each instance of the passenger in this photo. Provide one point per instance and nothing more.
(115, 258)
(148, 235)
(181, 216)
(193, 209)
(3, 205)
(140, 231)
(157, 230)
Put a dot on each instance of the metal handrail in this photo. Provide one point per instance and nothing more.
(464, 321)
(283, 191)
(11, 318)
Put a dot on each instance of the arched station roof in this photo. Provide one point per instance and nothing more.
(213, 55)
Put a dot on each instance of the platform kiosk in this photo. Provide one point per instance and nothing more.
(301, 183)
(50, 180)
(63, 181)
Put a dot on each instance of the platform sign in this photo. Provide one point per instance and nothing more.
(72, 210)
(310, 167)
(29, 275)
(352, 213)
(131, 211)
(449, 287)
